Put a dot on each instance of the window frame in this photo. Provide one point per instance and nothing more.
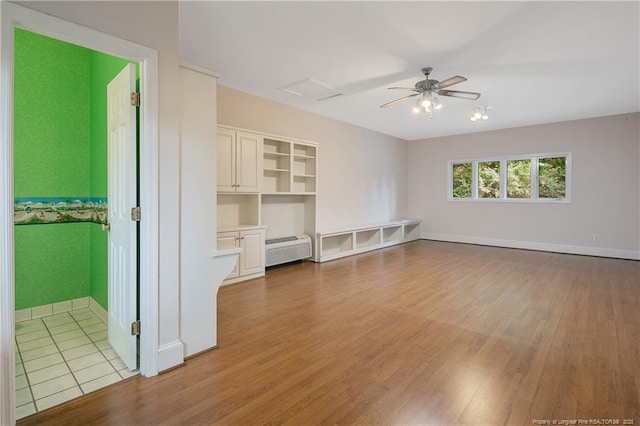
(533, 158)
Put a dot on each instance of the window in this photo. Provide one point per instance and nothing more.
(489, 179)
(552, 176)
(462, 173)
(518, 178)
(534, 177)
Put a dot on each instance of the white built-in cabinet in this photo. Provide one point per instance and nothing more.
(252, 257)
(266, 189)
(239, 159)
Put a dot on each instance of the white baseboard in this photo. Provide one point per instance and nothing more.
(530, 245)
(170, 354)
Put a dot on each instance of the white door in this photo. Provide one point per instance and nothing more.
(122, 194)
(252, 257)
(248, 162)
(226, 160)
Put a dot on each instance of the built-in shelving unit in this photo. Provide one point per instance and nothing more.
(288, 167)
(276, 166)
(347, 242)
(282, 202)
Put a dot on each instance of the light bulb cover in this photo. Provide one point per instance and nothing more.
(485, 117)
(473, 118)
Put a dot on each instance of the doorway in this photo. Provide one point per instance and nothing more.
(13, 16)
(65, 185)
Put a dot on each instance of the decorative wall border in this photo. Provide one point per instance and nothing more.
(47, 210)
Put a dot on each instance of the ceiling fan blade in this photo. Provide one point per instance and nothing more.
(402, 88)
(398, 100)
(450, 81)
(459, 94)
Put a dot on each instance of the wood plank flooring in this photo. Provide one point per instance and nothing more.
(422, 333)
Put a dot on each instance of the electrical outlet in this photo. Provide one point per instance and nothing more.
(596, 237)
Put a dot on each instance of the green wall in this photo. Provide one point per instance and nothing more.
(60, 151)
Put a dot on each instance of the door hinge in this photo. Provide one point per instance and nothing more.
(135, 328)
(135, 99)
(135, 214)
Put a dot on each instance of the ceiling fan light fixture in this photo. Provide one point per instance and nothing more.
(479, 113)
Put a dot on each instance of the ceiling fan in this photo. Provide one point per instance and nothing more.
(428, 88)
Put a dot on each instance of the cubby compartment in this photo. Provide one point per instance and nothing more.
(412, 231)
(336, 244)
(367, 238)
(392, 233)
(274, 181)
(275, 148)
(276, 162)
(236, 210)
(304, 184)
(304, 151)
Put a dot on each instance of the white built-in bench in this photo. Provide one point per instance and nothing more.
(349, 241)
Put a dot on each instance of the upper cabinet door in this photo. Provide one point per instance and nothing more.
(226, 160)
(248, 162)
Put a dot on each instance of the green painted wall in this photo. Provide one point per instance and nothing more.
(51, 159)
(60, 150)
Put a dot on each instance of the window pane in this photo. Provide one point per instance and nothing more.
(519, 179)
(489, 179)
(462, 180)
(552, 177)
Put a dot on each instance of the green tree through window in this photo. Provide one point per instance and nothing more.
(489, 179)
(552, 177)
(462, 180)
(519, 179)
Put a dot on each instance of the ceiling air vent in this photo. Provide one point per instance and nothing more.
(312, 89)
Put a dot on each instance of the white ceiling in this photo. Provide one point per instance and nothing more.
(533, 62)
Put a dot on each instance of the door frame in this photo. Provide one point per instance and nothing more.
(12, 16)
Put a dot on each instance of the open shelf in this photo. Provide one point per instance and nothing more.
(304, 151)
(274, 148)
(236, 210)
(304, 184)
(276, 181)
(367, 238)
(392, 233)
(336, 244)
(346, 242)
(412, 231)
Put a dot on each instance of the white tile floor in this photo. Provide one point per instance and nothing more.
(61, 357)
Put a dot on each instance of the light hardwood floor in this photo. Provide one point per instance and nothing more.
(422, 333)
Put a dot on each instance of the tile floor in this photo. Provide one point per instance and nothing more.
(61, 357)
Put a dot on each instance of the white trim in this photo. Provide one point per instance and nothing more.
(532, 245)
(12, 15)
(199, 69)
(7, 296)
(170, 354)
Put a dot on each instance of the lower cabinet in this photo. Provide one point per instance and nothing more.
(251, 260)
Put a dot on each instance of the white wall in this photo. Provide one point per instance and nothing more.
(154, 25)
(362, 174)
(605, 190)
